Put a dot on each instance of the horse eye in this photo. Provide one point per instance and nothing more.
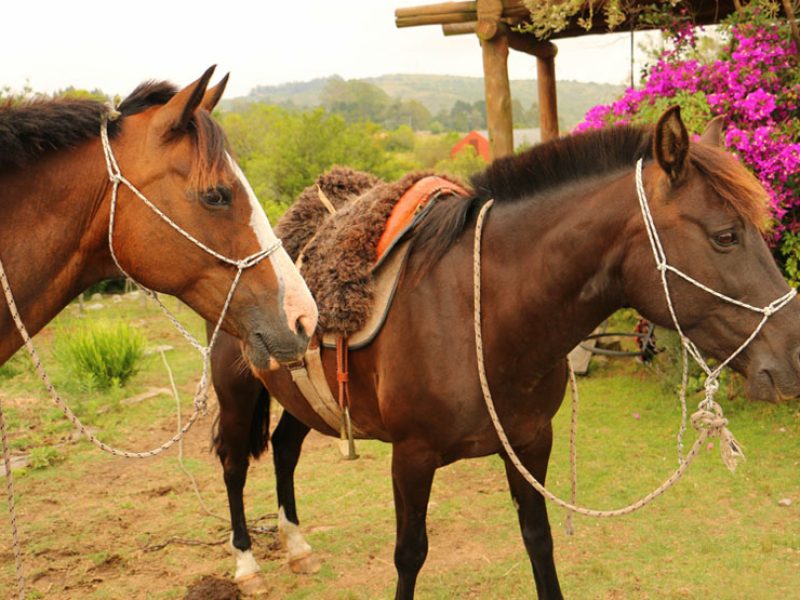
(726, 239)
(217, 196)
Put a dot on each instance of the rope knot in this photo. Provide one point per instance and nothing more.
(112, 114)
(712, 387)
(711, 420)
(201, 402)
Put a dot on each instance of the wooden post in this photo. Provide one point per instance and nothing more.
(548, 104)
(494, 44)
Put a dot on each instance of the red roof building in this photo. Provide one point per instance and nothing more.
(477, 141)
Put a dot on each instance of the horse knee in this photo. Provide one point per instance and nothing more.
(538, 539)
(235, 473)
(411, 555)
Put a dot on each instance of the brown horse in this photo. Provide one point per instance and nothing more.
(55, 199)
(564, 246)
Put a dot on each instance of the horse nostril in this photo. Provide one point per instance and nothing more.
(304, 327)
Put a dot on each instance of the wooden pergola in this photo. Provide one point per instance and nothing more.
(493, 22)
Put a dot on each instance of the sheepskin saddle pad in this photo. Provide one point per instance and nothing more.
(338, 250)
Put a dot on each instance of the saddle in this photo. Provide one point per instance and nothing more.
(352, 264)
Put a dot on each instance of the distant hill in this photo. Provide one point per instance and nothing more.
(440, 92)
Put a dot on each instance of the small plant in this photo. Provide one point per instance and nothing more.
(13, 366)
(44, 456)
(103, 355)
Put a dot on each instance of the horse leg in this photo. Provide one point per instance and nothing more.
(242, 431)
(287, 441)
(232, 447)
(412, 478)
(532, 512)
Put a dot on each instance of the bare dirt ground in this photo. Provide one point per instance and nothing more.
(98, 526)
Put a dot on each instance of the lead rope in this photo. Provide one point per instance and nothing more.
(573, 448)
(12, 512)
(201, 394)
(708, 420)
(487, 396)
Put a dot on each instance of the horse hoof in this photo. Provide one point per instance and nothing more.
(252, 585)
(305, 565)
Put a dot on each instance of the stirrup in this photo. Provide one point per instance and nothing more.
(347, 445)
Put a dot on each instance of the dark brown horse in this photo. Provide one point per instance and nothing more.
(564, 246)
(55, 198)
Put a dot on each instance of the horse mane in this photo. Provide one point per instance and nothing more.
(567, 160)
(34, 127)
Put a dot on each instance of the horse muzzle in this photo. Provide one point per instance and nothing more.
(774, 382)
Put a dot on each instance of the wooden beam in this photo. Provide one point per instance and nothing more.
(459, 28)
(546, 83)
(525, 42)
(454, 12)
(435, 9)
(438, 19)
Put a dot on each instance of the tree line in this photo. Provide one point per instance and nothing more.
(358, 100)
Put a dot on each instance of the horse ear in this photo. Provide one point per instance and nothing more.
(213, 94)
(175, 115)
(712, 136)
(671, 144)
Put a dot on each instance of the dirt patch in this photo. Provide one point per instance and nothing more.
(212, 588)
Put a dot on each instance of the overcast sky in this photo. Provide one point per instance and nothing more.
(116, 45)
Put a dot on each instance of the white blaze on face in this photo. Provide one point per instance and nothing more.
(292, 540)
(298, 304)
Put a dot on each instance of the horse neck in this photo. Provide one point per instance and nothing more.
(53, 235)
(552, 267)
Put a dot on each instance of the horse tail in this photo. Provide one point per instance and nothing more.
(259, 428)
(259, 424)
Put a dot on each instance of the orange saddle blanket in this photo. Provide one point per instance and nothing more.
(411, 204)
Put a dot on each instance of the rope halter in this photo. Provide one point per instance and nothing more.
(116, 178)
(709, 414)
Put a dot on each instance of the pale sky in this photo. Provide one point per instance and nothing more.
(116, 45)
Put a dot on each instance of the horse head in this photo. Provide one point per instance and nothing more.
(711, 215)
(177, 156)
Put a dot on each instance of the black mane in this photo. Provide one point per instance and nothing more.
(31, 128)
(563, 161)
(544, 167)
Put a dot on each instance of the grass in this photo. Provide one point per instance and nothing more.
(87, 518)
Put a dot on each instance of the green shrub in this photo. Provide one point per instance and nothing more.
(44, 457)
(102, 355)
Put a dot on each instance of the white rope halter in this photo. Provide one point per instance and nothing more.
(712, 375)
(708, 419)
